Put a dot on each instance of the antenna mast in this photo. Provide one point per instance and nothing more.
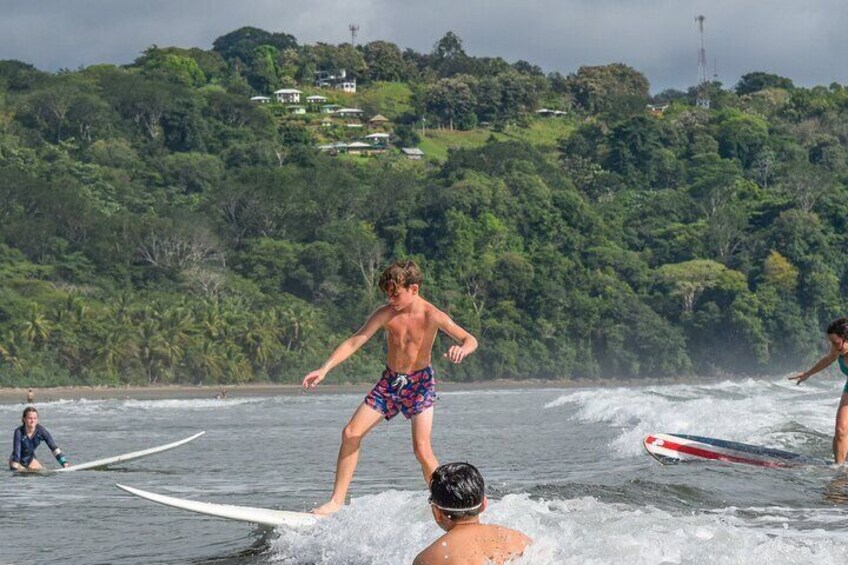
(354, 28)
(702, 99)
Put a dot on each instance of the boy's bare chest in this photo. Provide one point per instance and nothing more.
(407, 330)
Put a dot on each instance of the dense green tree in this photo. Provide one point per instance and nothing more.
(754, 82)
(385, 61)
(241, 44)
(448, 56)
(615, 89)
(452, 102)
(172, 66)
(742, 137)
(156, 225)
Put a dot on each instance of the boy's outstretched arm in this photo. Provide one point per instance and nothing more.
(348, 347)
(468, 343)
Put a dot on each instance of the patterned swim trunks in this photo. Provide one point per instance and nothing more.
(410, 393)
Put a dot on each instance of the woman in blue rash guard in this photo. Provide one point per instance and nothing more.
(28, 437)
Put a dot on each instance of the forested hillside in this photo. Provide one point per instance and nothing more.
(157, 225)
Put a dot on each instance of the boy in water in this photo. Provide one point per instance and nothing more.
(457, 497)
(407, 385)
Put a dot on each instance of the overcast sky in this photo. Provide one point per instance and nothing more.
(803, 40)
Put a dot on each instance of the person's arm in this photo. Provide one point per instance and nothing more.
(348, 347)
(467, 342)
(57, 453)
(15, 461)
(822, 363)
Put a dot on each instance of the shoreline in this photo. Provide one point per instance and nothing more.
(18, 395)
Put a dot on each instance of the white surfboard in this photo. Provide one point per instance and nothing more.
(262, 516)
(127, 456)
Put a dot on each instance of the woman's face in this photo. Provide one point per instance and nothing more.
(31, 420)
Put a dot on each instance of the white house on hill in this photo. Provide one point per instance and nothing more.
(378, 138)
(347, 86)
(338, 80)
(348, 112)
(288, 95)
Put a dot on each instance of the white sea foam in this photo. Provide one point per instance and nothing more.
(394, 526)
(750, 410)
(190, 403)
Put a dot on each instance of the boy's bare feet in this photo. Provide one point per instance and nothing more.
(327, 508)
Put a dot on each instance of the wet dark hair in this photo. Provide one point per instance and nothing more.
(27, 410)
(839, 327)
(457, 485)
(400, 274)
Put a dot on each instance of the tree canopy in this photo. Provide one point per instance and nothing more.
(156, 225)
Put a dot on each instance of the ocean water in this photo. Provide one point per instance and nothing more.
(565, 466)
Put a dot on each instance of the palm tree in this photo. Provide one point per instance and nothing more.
(114, 348)
(297, 322)
(257, 339)
(209, 361)
(122, 308)
(236, 365)
(6, 355)
(37, 327)
(150, 349)
(175, 326)
(211, 320)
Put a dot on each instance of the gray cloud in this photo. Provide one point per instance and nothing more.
(803, 41)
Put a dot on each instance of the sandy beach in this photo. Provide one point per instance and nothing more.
(18, 395)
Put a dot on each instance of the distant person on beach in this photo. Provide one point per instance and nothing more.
(27, 438)
(30, 399)
(457, 498)
(837, 334)
(407, 385)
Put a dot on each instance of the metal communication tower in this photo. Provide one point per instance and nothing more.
(353, 29)
(702, 99)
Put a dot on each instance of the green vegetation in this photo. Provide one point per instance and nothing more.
(157, 226)
(542, 133)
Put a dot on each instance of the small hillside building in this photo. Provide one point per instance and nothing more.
(337, 80)
(378, 120)
(288, 95)
(548, 113)
(657, 110)
(413, 153)
(260, 99)
(316, 99)
(348, 113)
(378, 138)
(348, 86)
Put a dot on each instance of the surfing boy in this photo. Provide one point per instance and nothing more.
(457, 497)
(407, 385)
(27, 438)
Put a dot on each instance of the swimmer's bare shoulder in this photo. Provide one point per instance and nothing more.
(481, 544)
(511, 544)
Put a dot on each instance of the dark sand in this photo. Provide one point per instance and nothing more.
(16, 395)
(19, 395)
